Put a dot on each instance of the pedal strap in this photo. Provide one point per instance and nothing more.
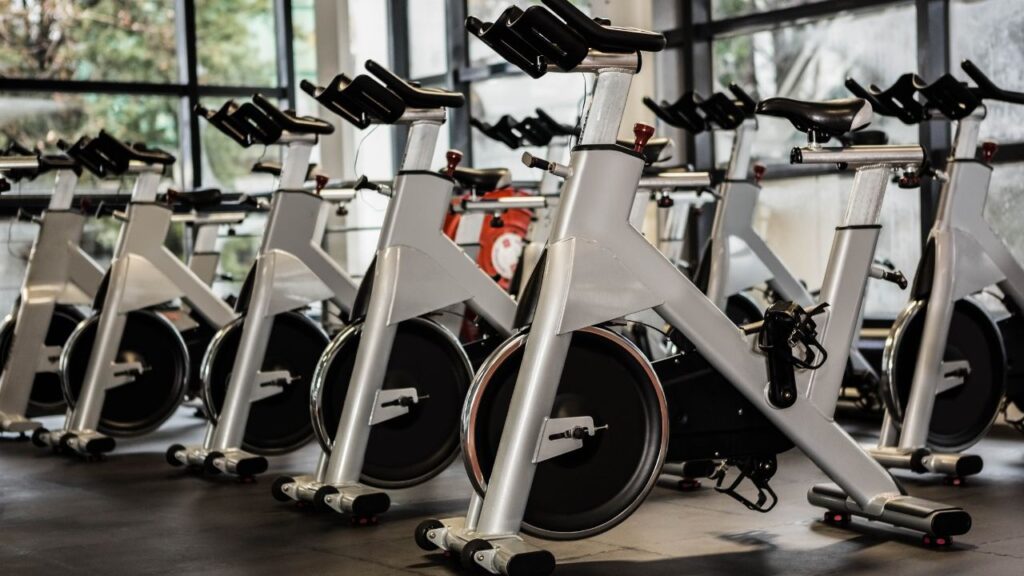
(758, 471)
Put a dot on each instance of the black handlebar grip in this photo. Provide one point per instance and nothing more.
(309, 88)
(747, 103)
(988, 87)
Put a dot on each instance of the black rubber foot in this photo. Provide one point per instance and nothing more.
(369, 505)
(252, 466)
(22, 437)
(539, 563)
(100, 446)
(936, 542)
(421, 534)
(969, 465)
(276, 489)
(37, 437)
(840, 519)
(688, 485)
(170, 455)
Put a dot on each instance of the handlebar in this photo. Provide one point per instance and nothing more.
(290, 121)
(414, 96)
(504, 130)
(557, 33)
(605, 37)
(682, 114)
(987, 89)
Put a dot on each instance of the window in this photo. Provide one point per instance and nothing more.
(428, 42)
(731, 8)
(991, 34)
(811, 62)
(1004, 206)
(68, 40)
(560, 95)
(236, 43)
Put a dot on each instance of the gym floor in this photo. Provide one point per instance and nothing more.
(133, 514)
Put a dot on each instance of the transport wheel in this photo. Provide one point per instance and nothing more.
(47, 398)
(278, 423)
(142, 405)
(963, 414)
(590, 490)
(422, 530)
(412, 448)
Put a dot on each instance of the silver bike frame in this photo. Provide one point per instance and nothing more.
(59, 272)
(735, 269)
(968, 257)
(292, 271)
(143, 273)
(418, 270)
(600, 268)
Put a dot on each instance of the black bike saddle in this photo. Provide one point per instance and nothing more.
(822, 120)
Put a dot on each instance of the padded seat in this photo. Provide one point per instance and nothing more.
(198, 198)
(822, 120)
(482, 179)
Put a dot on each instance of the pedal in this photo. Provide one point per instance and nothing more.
(786, 326)
(758, 471)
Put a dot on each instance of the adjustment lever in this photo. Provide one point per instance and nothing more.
(889, 274)
(364, 183)
(555, 168)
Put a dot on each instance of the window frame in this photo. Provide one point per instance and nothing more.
(187, 89)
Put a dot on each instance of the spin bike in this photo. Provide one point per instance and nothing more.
(388, 390)
(258, 370)
(552, 455)
(125, 369)
(736, 258)
(945, 360)
(59, 278)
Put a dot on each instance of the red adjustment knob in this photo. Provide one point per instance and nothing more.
(988, 151)
(321, 182)
(172, 195)
(453, 157)
(642, 132)
(759, 170)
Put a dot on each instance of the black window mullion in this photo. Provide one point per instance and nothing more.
(932, 62)
(188, 74)
(285, 49)
(398, 15)
(699, 77)
(458, 57)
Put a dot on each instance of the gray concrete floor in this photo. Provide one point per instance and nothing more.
(133, 514)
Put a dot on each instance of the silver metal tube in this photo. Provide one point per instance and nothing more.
(597, 62)
(63, 190)
(604, 114)
(18, 163)
(862, 155)
(669, 180)
(422, 140)
(507, 203)
(965, 144)
(739, 161)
